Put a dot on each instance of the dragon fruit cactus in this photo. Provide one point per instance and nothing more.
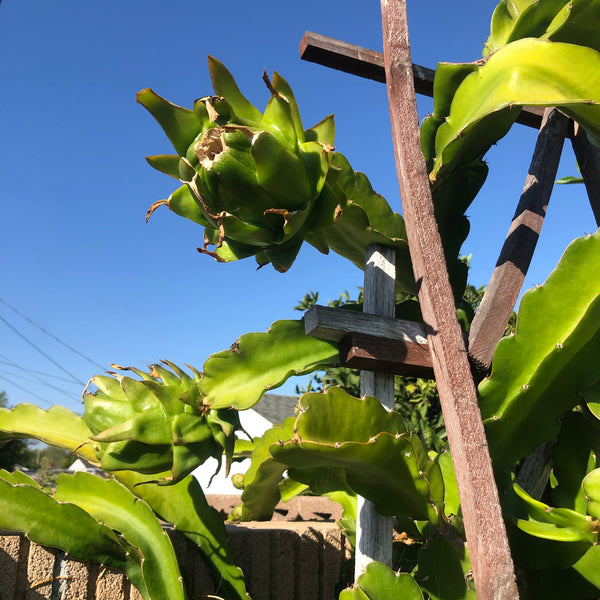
(250, 178)
(157, 424)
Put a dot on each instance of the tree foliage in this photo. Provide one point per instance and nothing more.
(15, 452)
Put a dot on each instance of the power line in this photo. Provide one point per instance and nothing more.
(36, 379)
(4, 360)
(41, 351)
(26, 390)
(52, 335)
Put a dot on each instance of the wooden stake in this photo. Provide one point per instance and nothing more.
(486, 535)
(373, 532)
(506, 282)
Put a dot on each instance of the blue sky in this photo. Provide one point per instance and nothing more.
(77, 256)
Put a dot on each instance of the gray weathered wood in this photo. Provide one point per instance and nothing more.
(374, 532)
(535, 471)
(588, 158)
(486, 535)
(372, 342)
(327, 323)
(369, 64)
(506, 282)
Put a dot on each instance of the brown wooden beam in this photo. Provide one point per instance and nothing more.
(372, 353)
(355, 60)
(535, 471)
(484, 525)
(372, 342)
(506, 282)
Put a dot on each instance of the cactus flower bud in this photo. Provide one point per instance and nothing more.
(250, 178)
(237, 479)
(157, 423)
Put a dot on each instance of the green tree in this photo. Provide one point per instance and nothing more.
(15, 452)
(55, 458)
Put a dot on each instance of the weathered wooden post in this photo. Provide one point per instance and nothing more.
(509, 274)
(374, 532)
(486, 535)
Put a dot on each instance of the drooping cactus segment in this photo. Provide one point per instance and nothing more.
(262, 185)
(157, 423)
(253, 176)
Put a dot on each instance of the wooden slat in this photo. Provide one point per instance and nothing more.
(355, 60)
(374, 532)
(371, 353)
(535, 471)
(372, 343)
(333, 324)
(484, 526)
(588, 158)
(506, 282)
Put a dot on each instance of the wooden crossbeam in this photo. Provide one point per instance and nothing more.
(335, 54)
(355, 60)
(333, 324)
(371, 353)
(373, 343)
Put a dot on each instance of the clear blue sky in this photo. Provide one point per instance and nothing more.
(77, 256)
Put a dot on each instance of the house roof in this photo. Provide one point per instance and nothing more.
(80, 464)
(276, 407)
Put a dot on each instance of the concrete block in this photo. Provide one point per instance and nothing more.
(300, 508)
(308, 563)
(194, 569)
(287, 560)
(40, 573)
(281, 560)
(10, 561)
(109, 584)
(71, 578)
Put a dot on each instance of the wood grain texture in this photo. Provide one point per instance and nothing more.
(369, 64)
(328, 323)
(535, 471)
(356, 60)
(506, 282)
(486, 535)
(372, 353)
(374, 532)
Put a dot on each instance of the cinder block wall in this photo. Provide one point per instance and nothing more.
(280, 561)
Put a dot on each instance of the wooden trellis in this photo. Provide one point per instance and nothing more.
(379, 343)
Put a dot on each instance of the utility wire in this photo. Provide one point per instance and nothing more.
(41, 351)
(4, 360)
(52, 335)
(26, 390)
(36, 379)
